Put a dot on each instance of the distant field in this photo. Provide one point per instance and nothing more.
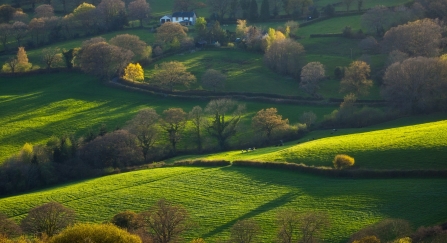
(421, 146)
(34, 108)
(245, 71)
(218, 197)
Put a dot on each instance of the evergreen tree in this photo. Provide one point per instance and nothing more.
(245, 6)
(265, 10)
(253, 13)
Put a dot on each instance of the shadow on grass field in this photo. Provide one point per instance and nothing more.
(34, 108)
(217, 197)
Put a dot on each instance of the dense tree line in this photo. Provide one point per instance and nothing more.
(85, 19)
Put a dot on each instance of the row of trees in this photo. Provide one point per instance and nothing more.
(166, 222)
(249, 9)
(147, 137)
(86, 19)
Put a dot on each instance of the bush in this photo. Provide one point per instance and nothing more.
(8, 228)
(342, 161)
(368, 239)
(339, 72)
(127, 220)
(386, 230)
(98, 233)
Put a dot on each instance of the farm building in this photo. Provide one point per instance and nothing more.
(184, 18)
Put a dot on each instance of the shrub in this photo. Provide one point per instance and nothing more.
(339, 72)
(98, 233)
(128, 220)
(342, 161)
(8, 228)
(386, 230)
(368, 239)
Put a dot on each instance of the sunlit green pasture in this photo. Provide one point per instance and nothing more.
(421, 146)
(34, 108)
(245, 71)
(216, 198)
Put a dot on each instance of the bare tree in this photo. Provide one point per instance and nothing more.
(396, 56)
(168, 31)
(197, 117)
(311, 74)
(169, 74)
(305, 227)
(19, 31)
(11, 65)
(143, 127)
(245, 231)
(111, 12)
(266, 121)
(115, 149)
(288, 223)
(173, 122)
(221, 7)
(166, 222)
(132, 43)
(51, 57)
(308, 118)
(140, 10)
(221, 127)
(49, 219)
(20, 16)
(104, 60)
(285, 57)
(36, 27)
(418, 38)
(356, 79)
(369, 44)
(8, 227)
(85, 14)
(5, 33)
(213, 79)
(44, 10)
(415, 85)
(377, 20)
(311, 226)
(92, 41)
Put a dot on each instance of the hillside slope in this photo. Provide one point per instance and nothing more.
(421, 146)
(216, 198)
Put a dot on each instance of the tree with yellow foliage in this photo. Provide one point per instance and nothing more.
(272, 36)
(134, 72)
(22, 58)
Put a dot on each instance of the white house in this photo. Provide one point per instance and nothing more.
(184, 18)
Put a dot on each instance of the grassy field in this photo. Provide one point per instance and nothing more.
(421, 146)
(216, 198)
(245, 71)
(34, 108)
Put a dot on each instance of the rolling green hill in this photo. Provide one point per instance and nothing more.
(217, 197)
(421, 146)
(34, 108)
